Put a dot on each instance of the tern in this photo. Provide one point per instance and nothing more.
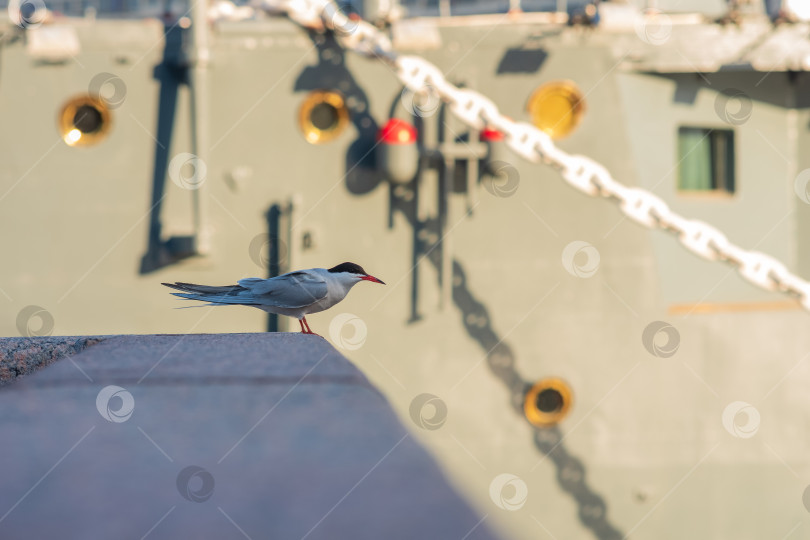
(295, 294)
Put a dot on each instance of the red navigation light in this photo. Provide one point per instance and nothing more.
(397, 131)
(489, 134)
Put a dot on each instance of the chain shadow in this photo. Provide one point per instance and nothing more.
(570, 471)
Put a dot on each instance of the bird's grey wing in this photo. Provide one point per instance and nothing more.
(293, 290)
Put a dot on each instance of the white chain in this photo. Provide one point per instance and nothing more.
(531, 143)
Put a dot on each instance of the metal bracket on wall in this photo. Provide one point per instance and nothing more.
(451, 159)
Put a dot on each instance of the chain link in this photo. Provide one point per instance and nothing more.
(583, 175)
(642, 207)
(529, 142)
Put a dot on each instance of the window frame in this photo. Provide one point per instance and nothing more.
(729, 180)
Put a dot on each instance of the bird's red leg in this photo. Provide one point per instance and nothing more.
(302, 326)
(309, 330)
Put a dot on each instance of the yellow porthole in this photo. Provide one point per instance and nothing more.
(323, 116)
(84, 121)
(557, 108)
(547, 402)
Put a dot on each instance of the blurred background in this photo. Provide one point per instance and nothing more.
(576, 375)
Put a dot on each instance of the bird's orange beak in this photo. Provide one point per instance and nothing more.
(372, 279)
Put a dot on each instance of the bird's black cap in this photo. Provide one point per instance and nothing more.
(351, 268)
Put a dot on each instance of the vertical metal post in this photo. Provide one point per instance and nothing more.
(424, 185)
(445, 238)
(418, 227)
(279, 233)
(199, 58)
(473, 174)
(449, 150)
(429, 176)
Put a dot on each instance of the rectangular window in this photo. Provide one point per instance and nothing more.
(706, 160)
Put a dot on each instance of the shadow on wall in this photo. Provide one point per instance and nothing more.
(571, 472)
(331, 73)
(171, 73)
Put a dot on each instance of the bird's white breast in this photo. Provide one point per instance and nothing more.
(336, 291)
